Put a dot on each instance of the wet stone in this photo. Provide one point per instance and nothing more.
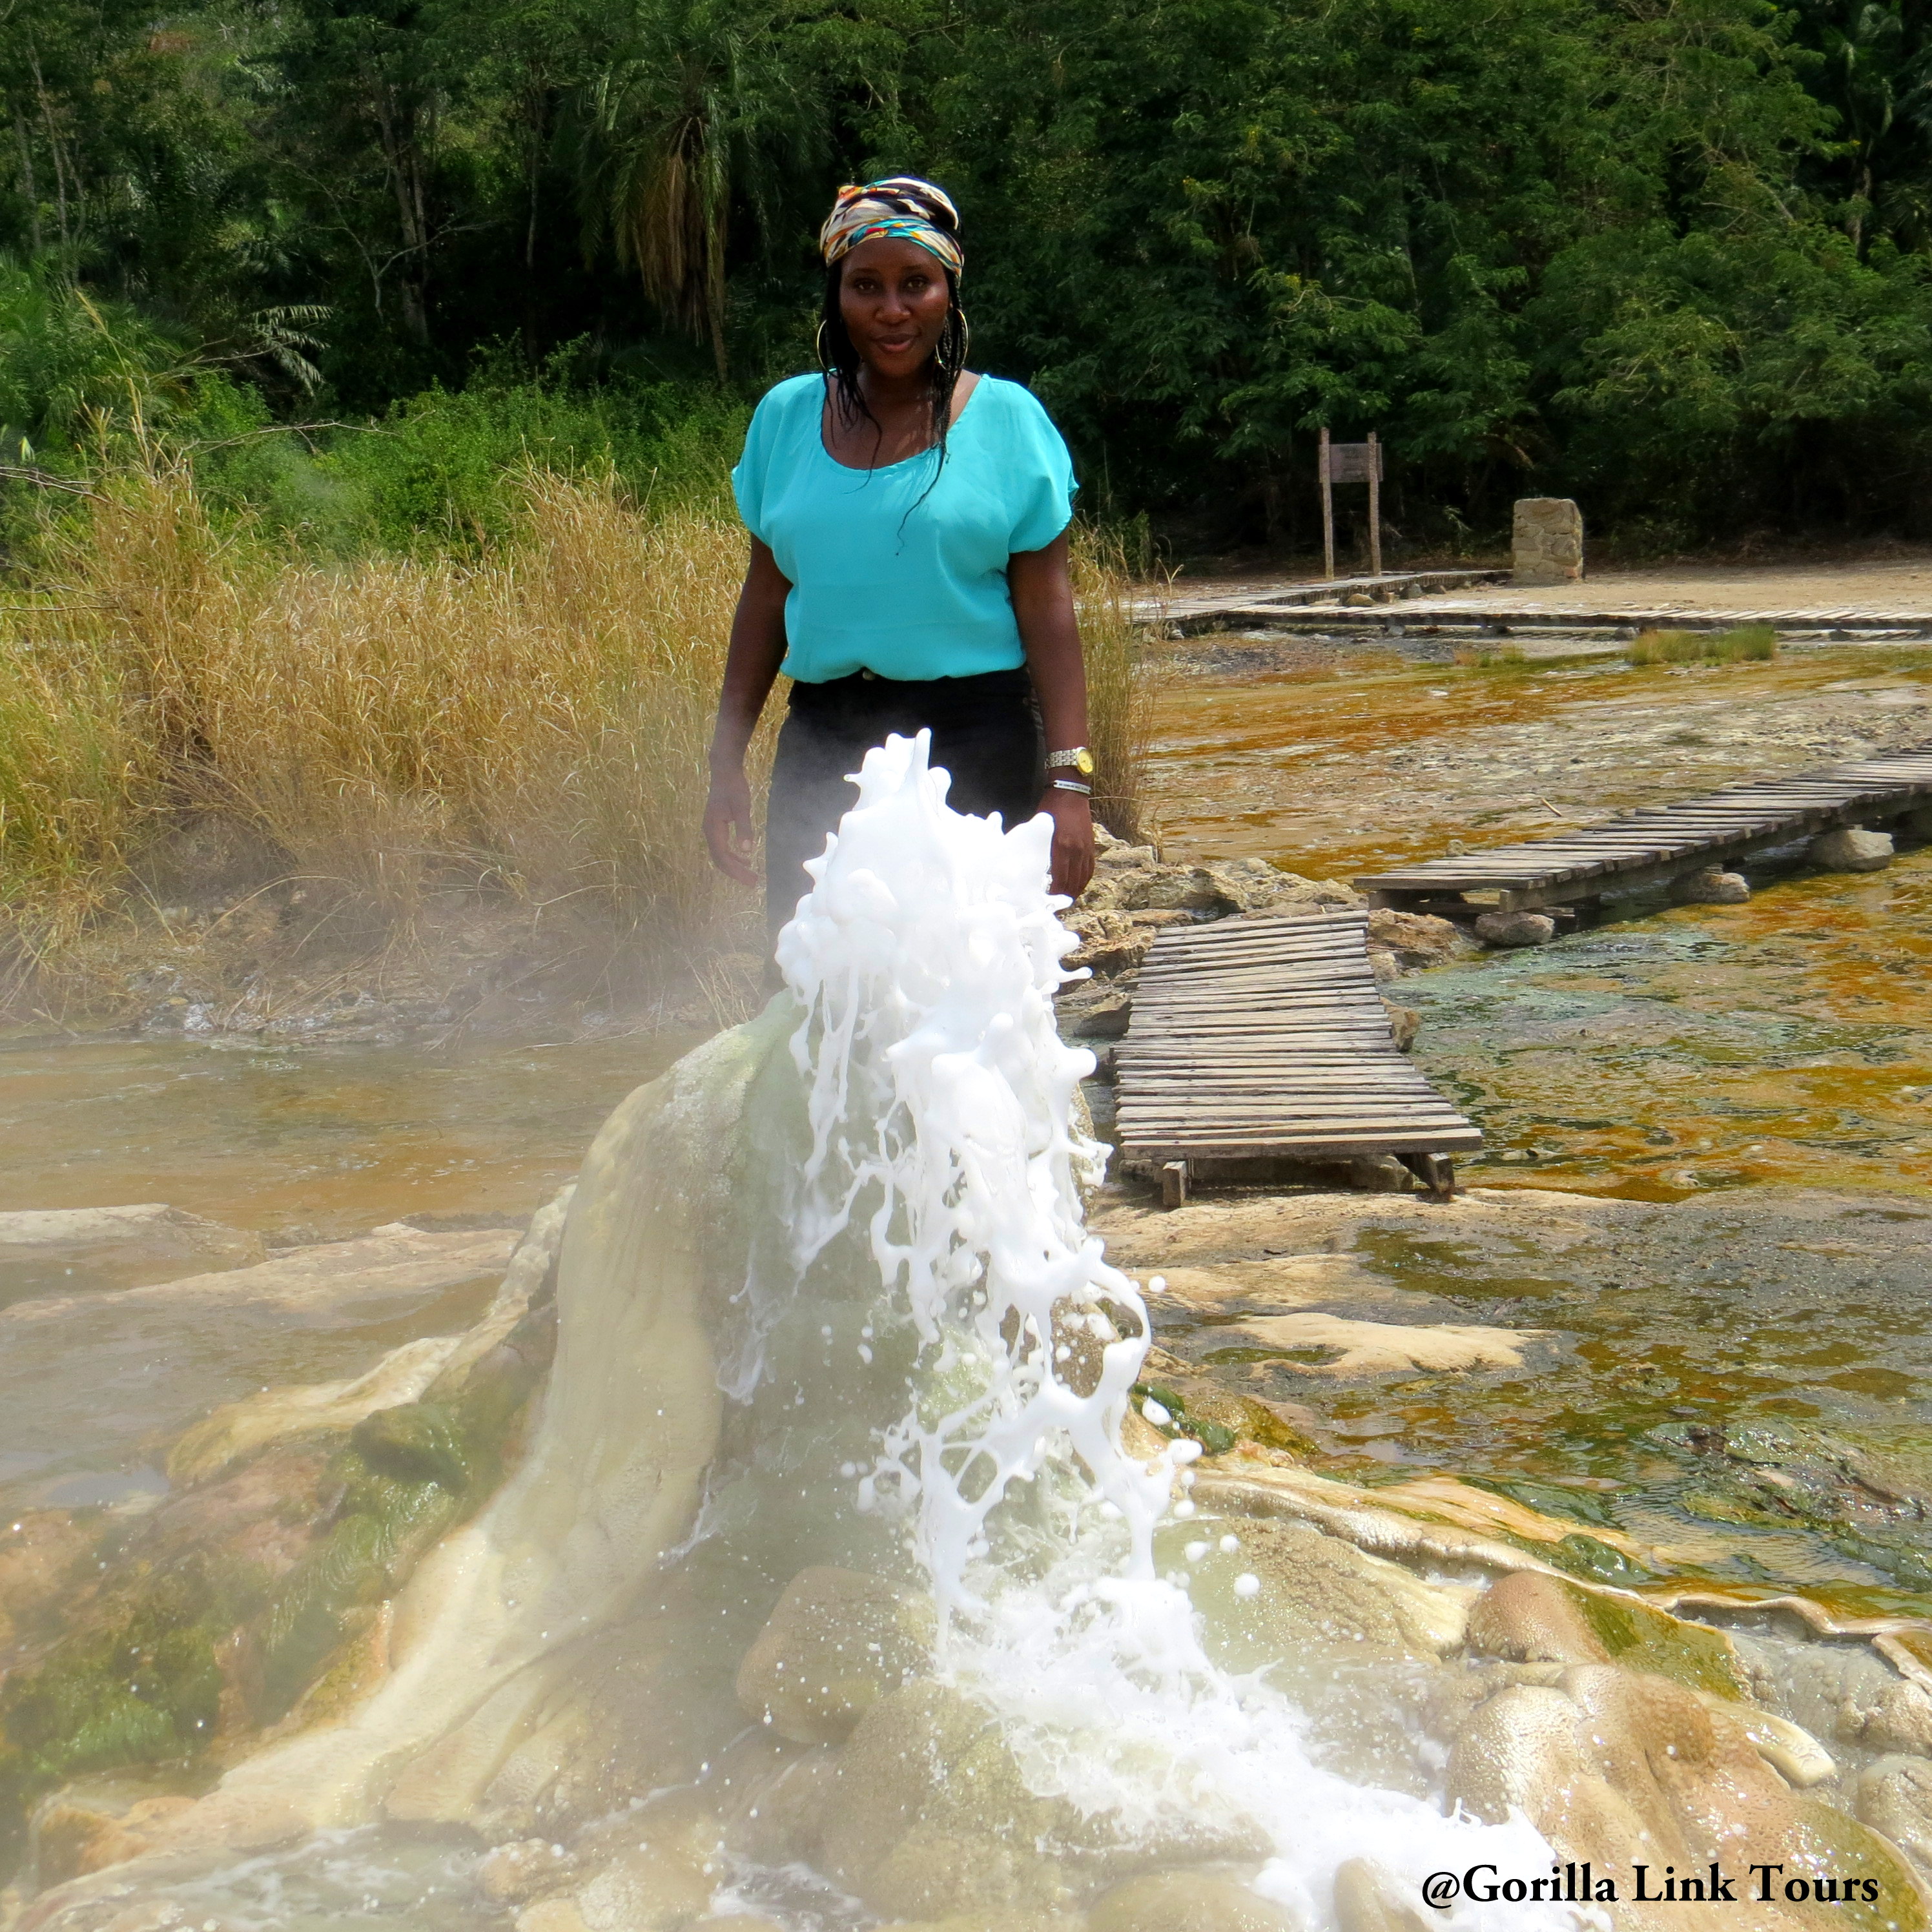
(837, 1641)
(1711, 886)
(1851, 850)
(1515, 929)
(1894, 1796)
(1188, 1901)
(1369, 1899)
(1530, 1618)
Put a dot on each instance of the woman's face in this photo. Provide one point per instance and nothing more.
(894, 298)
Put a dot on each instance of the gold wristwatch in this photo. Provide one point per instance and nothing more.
(1079, 759)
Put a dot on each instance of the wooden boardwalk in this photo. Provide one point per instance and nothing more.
(1231, 609)
(1485, 602)
(1656, 844)
(1266, 1040)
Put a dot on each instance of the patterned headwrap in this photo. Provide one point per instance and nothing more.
(903, 206)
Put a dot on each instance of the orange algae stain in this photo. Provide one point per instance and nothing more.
(1380, 765)
(1788, 1040)
(333, 1140)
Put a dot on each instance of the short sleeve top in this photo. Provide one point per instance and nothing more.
(889, 575)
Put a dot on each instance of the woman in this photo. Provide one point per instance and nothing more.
(909, 564)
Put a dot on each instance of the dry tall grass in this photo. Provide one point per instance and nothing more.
(532, 726)
(401, 736)
(1123, 686)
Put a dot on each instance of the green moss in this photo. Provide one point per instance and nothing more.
(139, 1683)
(382, 1525)
(1642, 1639)
(144, 1687)
(1600, 1562)
(1218, 1418)
(416, 1442)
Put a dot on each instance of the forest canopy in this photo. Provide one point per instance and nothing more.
(1670, 256)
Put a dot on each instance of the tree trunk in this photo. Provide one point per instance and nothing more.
(27, 181)
(396, 116)
(53, 144)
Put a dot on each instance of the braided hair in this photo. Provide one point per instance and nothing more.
(902, 205)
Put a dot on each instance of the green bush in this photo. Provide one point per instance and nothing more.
(441, 471)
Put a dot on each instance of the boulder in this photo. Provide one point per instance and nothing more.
(781, 1814)
(1851, 849)
(837, 1641)
(1515, 929)
(510, 1874)
(933, 1817)
(641, 1890)
(1094, 1009)
(1711, 886)
(1405, 1023)
(1898, 1719)
(1221, 890)
(1415, 939)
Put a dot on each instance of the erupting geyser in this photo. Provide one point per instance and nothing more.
(943, 1114)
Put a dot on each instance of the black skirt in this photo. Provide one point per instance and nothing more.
(986, 731)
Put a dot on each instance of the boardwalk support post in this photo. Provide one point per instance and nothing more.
(1436, 1171)
(1173, 1183)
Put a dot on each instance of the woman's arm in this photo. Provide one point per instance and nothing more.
(751, 668)
(1042, 584)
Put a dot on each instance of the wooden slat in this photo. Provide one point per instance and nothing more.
(1739, 813)
(1269, 1035)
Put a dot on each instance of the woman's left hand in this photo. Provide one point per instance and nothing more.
(1072, 840)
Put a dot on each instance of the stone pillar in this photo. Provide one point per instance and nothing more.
(1548, 545)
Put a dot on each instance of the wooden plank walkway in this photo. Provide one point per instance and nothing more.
(1228, 609)
(1656, 844)
(1266, 1040)
(1503, 620)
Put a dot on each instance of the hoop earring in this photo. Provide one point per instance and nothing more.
(956, 344)
(818, 346)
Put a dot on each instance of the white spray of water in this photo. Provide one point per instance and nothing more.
(941, 1103)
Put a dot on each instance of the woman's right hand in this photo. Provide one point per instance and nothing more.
(728, 824)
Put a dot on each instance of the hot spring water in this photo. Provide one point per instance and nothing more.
(826, 1297)
(944, 1132)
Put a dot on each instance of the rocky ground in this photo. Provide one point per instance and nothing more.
(1632, 1692)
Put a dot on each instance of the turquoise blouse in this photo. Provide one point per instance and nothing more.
(882, 581)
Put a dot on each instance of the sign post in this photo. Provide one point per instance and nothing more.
(1351, 462)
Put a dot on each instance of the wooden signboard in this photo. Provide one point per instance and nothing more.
(1351, 462)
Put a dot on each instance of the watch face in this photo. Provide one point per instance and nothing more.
(1084, 764)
